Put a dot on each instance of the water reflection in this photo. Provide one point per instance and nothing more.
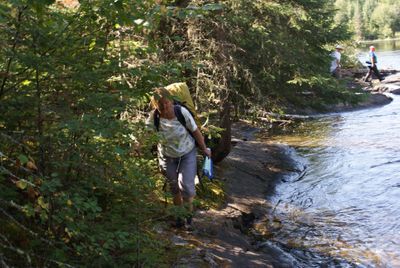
(348, 203)
(386, 45)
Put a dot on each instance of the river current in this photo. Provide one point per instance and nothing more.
(347, 204)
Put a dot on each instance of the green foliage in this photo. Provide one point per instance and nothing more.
(71, 184)
(369, 19)
(288, 58)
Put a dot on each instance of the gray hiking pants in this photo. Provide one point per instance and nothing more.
(180, 173)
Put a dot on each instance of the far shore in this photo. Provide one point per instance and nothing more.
(378, 40)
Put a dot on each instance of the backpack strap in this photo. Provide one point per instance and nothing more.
(179, 116)
(156, 118)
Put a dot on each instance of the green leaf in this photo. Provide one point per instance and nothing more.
(119, 151)
(23, 158)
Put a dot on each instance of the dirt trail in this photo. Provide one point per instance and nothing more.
(225, 237)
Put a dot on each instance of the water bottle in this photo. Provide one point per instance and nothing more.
(208, 168)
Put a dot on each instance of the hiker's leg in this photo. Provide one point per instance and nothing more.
(169, 166)
(368, 74)
(186, 178)
(338, 72)
(178, 201)
(377, 73)
(188, 203)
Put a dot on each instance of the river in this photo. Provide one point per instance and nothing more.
(347, 205)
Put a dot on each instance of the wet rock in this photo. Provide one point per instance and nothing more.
(395, 91)
(178, 241)
(395, 78)
(281, 258)
(387, 88)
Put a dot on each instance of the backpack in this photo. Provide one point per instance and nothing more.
(182, 98)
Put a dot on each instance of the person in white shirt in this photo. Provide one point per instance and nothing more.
(335, 64)
(177, 148)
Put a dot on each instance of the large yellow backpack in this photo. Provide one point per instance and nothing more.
(181, 94)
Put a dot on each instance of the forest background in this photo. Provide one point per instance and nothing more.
(79, 184)
(369, 19)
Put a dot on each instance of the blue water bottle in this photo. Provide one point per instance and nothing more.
(208, 167)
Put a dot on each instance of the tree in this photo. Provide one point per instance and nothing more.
(358, 21)
(388, 19)
(369, 18)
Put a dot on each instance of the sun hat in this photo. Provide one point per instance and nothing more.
(339, 47)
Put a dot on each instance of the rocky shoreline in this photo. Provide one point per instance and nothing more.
(378, 90)
(232, 235)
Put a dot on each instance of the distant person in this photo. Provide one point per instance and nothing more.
(372, 65)
(335, 64)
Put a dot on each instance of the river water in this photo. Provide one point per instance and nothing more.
(347, 205)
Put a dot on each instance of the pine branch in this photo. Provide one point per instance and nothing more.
(10, 60)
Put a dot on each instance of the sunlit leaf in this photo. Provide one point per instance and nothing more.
(42, 203)
(26, 82)
(31, 165)
(92, 44)
(21, 184)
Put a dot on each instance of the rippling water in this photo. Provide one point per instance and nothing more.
(347, 206)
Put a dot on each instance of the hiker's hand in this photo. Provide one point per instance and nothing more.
(207, 152)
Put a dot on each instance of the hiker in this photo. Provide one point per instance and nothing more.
(335, 64)
(372, 65)
(177, 148)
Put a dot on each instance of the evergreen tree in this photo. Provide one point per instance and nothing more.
(369, 18)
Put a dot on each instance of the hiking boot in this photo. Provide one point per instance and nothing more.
(189, 227)
(179, 223)
(189, 220)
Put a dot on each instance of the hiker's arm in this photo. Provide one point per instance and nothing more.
(200, 141)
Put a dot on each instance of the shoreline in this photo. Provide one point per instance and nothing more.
(376, 91)
(236, 235)
(378, 40)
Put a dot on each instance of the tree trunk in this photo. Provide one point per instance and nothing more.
(223, 148)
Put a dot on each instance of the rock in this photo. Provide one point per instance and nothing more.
(380, 88)
(392, 79)
(387, 88)
(178, 241)
(396, 91)
(280, 257)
